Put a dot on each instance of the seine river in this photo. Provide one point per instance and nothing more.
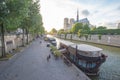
(109, 70)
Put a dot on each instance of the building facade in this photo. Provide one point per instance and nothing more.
(68, 23)
(84, 21)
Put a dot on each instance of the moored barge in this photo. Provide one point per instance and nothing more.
(86, 57)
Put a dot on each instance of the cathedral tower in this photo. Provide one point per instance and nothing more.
(66, 23)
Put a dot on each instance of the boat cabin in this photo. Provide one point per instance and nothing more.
(86, 57)
(86, 50)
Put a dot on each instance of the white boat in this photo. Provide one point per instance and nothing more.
(86, 57)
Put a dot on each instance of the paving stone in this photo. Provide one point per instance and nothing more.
(31, 64)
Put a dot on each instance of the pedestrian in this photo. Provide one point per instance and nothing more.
(40, 42)
(48, 57)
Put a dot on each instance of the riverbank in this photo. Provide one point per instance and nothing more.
(112, 45)
(108, 40)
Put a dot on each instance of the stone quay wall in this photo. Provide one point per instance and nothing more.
(111, 40)
(12, 42)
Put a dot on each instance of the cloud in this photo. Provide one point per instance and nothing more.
(118, 8)
(118, 21)
(111, 24)
(85, 12)
(108, 24)
(54, 12)
(96, 11)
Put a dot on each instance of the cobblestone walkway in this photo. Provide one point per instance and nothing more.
(31, 64)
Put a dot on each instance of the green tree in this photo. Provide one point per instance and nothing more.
(101, 28)
(86, 27)
(65, 33)
(18, 10)
(76, 27)
(93, 28)
(53, 31)
(23, 14)
(80, 34)
(32, 23)
(3, 13)
(86, 36)
(99, 36)
(71, 37)
(61, 31)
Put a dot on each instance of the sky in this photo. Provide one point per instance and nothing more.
(99, 12)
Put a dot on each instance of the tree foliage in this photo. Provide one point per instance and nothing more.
(106, 31)
(61, 31)
(3, 10)
(53, 31)
(20, 13)
(86, 27)
(80, 34)
(101, 28)
(23, 14)
(76, 27)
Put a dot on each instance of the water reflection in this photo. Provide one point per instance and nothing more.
(110, 69)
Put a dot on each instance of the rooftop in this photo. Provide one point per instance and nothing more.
(85, 47)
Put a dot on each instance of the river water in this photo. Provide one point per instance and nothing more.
(109, 70)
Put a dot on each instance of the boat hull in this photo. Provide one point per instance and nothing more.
(89, 65)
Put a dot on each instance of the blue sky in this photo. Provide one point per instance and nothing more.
(98, 12)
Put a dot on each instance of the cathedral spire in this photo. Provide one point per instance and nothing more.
(77, 15)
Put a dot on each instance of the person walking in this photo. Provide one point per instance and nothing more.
(48, 57)
(40, 42)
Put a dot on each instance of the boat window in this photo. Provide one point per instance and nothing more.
(82, 63)
(91, 65)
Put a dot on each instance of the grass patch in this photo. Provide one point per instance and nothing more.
(9, 55)
(55, 51)
(53, 48)
(17, 50)
(6, 57)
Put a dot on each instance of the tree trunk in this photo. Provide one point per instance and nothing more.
(27, 35)
(3, 41)
(71, 37)
(23, 37)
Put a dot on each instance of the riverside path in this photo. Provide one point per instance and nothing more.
(31, 64)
